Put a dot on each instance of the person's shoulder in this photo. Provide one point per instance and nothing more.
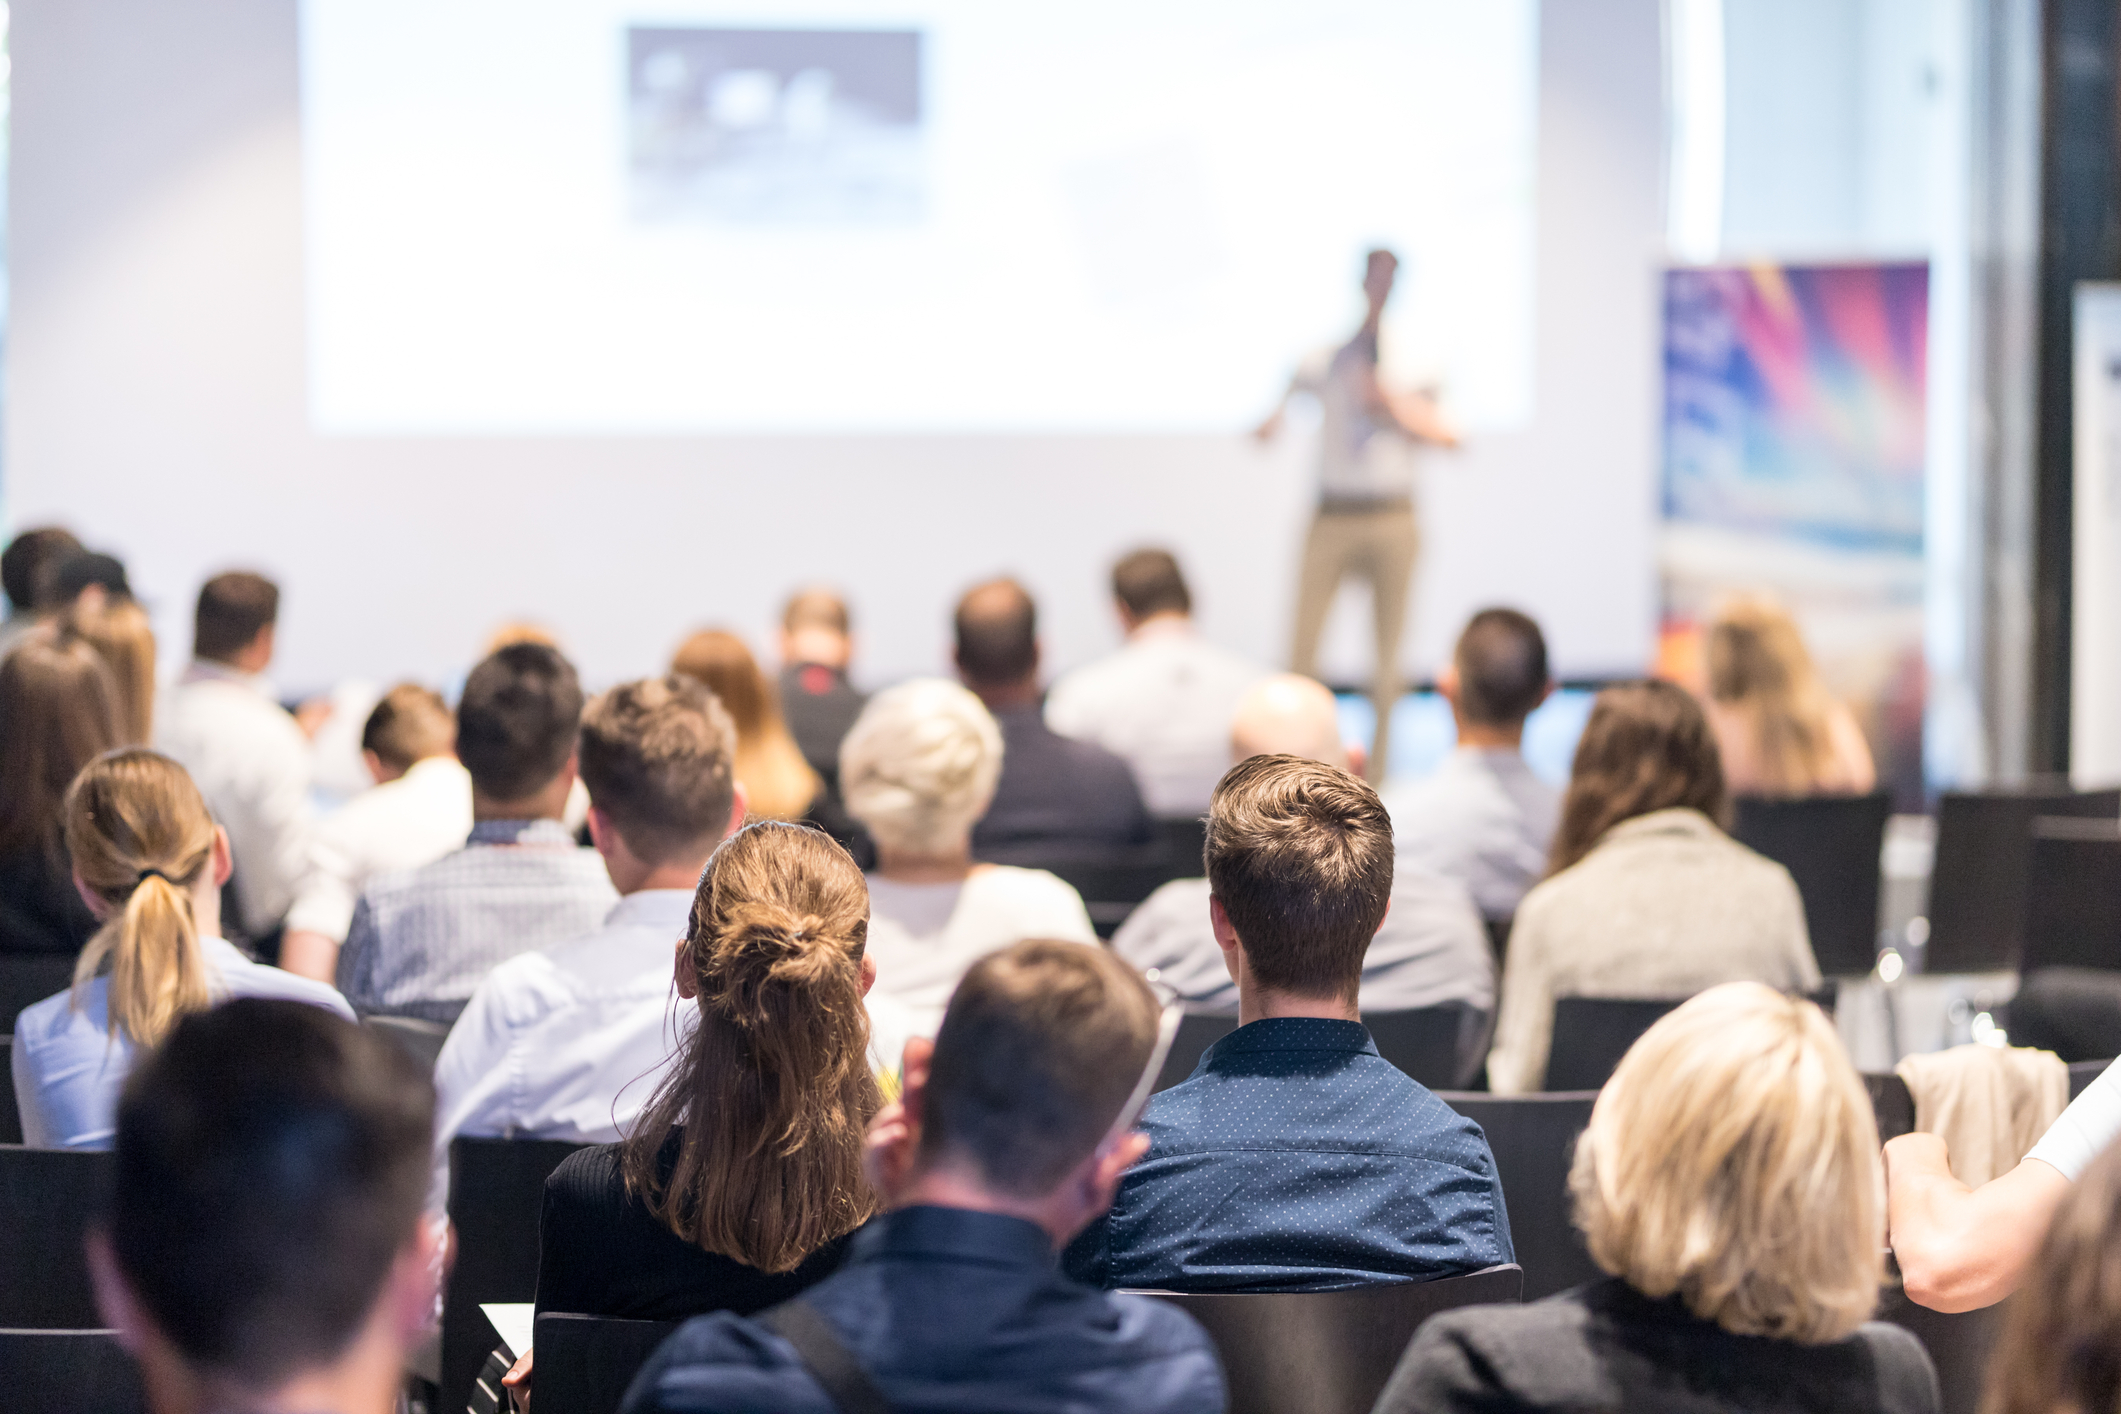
(520, 992)
(1534, 1356)
(245, 978)
(1018, 884)
(590, 1178)
(42, 1023)
(1176, 897)
(728, 1364)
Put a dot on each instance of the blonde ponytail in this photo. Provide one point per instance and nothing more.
(141, 837)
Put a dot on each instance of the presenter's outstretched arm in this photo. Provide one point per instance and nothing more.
(1420, 418)
(1964, 1248)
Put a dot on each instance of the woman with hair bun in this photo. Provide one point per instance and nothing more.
(149, 862)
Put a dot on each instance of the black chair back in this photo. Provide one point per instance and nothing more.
(1429, 1043)
(2083, 1073)
(1959, 1345)
(46, 1199)
(69, 1372)
(2073, 895)
(2073, 1011)
(10, 1115)
(1830, 845)
(1196, 1032)
(1185, 845)
(1113, 886)
(1892, 1103)
(1979, 882)
(418, 1038)
(496, 1198)
(27, 978)
(585, 1363)
(1327, 1352)
(1533, 1138)
(1591, 1034)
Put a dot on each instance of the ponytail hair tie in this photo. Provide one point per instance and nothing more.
(142, 876)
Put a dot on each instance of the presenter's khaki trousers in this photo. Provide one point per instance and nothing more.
(1381, 546)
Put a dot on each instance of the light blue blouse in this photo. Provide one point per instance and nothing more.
(69, 1065)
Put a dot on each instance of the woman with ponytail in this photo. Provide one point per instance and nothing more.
(149, 862)
(742, 1180)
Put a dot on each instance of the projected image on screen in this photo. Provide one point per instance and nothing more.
(602, 218)
(774, 126)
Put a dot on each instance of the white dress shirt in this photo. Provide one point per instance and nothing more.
(1360, 458)
(1483, 819)
(1164, 705)
(401, 824)
(69, 1065)
(252, 764)
(925, 937)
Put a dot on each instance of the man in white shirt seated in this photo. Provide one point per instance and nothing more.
(568, 1041)
(1431, 949)
(1483, 818)
(418, 810)
(250, 760)
(1165, 701)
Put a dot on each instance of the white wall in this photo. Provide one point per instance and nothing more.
(155, 402)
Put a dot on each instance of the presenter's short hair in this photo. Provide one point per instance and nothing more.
(234, 608)
(272, 1161)
(1502, 667)
(1150, 582)
(409, 724)
(1042, 1045)
(659, 757)
(1732, 1160)
(919, 766)
(517, 720)
(1300, 855)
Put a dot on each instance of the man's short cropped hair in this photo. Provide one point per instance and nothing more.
(234, 608)
(659, 758)
(1300, 854)
(517, 720)
(816, 608)
(1149, 582)
(1502, 668)
(22, 563)
(1040, 1048)
(272, 1161)
(409, 724)
(997, 633)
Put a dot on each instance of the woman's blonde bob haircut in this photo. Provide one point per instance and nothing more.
(919, 766)
(1733, 1160)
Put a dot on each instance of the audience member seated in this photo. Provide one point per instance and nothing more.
(250, 760)
(819, 703)
(1011, 1136)
(150, 862)
(1431, 948)
(261, 1247)
(2060, 1352)
(82, 579)
(423, 939)
(778, 783)
(918, 769)
(58, 712)
(417, 810)
(124, 638)
(566, 1042)
(22, 568)
(1781, 734)
(742, 1180)
(1295, 1158)
(1163, 703)
(1057, 800)
(1647, 896)
(1483, 818)
(1729, 1187)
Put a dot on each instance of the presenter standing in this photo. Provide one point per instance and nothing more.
(1365, 524)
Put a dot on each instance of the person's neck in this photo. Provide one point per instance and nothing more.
(1260, 1004)
(1164, 622)
(548, 804)
(1484, 737)
(945, 1187)
(1007, 696)
(679, 874)
(364, 1380)
(952, 867)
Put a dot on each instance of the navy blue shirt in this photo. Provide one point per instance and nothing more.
(1295, 1158)
(1058, 799)
(949, 1310)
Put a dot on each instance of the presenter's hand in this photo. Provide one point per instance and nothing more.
(1268, 430)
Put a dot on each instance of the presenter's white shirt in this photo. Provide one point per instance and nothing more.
(1163, 704)
(925, 937)
(69, 1065)
(1359, 458)
(570, 1042)
(401, 824)
(252, 764)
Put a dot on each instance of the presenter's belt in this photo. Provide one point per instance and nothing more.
(1362, 505)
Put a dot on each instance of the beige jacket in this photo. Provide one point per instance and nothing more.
(1665, 905)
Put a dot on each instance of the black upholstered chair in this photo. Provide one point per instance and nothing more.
(10, 1115)
(1112, 887)
(46, 1199)
(1196, 1033)
(1980, 882)
(2073, 896)
(1432, 1044)
(418, 1038)
(1830, 845)
(2073, 1011)
(68, 1372)
(496, 1197)
(1591, 1034)
(27, 978)
(1533, 1138)
(585, 1363)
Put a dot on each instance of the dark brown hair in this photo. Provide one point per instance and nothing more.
(517, 720)
(997, 633)
(1647, 747)
(658, 757)
(1502, 667)
(772, 1092)
(409, 724)
(23, 563)
(1041, 1046)
(2060, 1352)
(58, 712)
(1149, 582)
(1300, 854)
(234, 608)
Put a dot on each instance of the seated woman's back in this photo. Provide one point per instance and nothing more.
(1729, 1185)
(59, 710)
(742, 1181)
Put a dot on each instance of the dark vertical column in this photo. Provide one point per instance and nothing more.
(2080, 239)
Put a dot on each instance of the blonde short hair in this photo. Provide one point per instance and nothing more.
(918, 767)
(1733, 1159)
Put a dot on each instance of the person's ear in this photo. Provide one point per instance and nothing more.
(377, 771)
(601, 834)
(414, 1287)
(739, 809)
(99, 909)
(913, 1078)
(1447, 683)
(1225, 935)
(1127, 622)
(115, 1301)
(683, 974)
(1544, 693)
(1358, 758)
(224, 858)
(868, 972)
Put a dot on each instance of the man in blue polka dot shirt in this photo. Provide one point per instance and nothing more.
(1295, 1158)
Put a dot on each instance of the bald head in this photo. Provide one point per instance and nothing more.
(1288, 715)
(997, 637)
